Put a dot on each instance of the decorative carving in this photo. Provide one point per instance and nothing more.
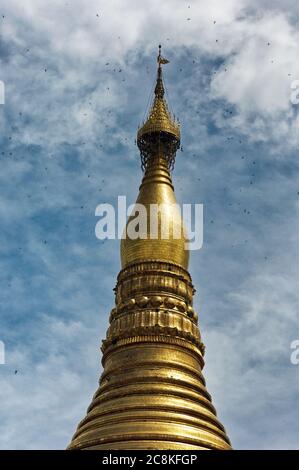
(156, 301)
(167, 322)
(153, 335)
(169, 302)
(138, 280)
(142, 301)
(112, 340)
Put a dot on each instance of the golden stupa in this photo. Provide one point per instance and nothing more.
(152, 393)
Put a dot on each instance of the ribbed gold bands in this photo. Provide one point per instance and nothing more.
(151, 393)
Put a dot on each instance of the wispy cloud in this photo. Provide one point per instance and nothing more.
(77, 79)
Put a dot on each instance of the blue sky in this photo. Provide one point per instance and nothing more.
(77, 79)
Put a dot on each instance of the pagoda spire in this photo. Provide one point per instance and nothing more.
(152, 393)
(159, 89)
(161, 131)
(158, 140)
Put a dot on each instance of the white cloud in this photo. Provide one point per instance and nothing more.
(248, 367)
(258, 48)
(54, 372)
(70, 276)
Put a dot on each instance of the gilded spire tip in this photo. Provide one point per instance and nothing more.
(160, 132)
(161, 60)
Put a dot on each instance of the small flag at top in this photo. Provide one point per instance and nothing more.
(160, 59)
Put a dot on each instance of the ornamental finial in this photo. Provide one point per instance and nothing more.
(160, 59)
(160, 133)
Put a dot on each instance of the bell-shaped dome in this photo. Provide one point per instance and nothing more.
(156, 191)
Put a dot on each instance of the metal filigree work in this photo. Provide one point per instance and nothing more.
(162, 143)
(160, 133)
